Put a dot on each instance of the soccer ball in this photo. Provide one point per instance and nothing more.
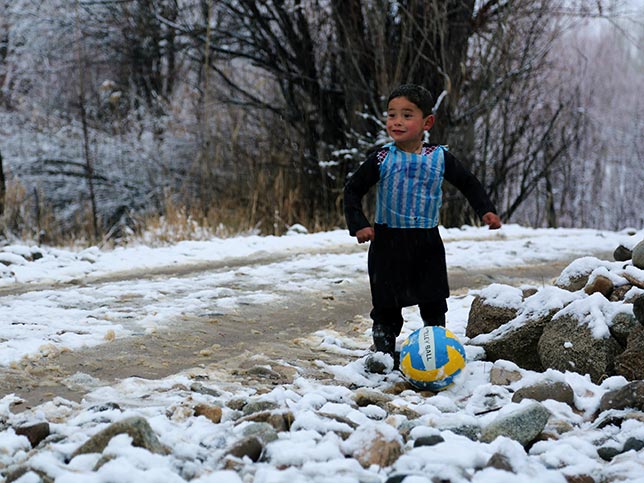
(431, 357)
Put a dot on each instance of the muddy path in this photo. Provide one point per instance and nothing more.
(277, 331)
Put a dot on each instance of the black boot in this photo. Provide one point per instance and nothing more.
(385, 343)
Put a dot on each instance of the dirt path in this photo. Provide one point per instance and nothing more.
(275, 331)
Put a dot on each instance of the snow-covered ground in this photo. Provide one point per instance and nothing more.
(45, 305)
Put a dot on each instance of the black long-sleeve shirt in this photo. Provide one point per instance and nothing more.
(368, 174)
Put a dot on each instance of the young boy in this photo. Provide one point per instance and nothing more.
(406, 256)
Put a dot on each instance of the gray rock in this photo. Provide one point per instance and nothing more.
(136, 427)
(199, 387)
(484, 317)
(500, 462)
(470, 431)
(607, 453)
(555, 390)
(622, 325)
(634, 444)
(638, 308)
(621, 254)
(638, 255)
(573, 283)
(522, 426)
(262, 372)
(250, 447)
(519, 345)
(258, 406)
(630, 363)
(396, 479)
(431, 440)
(567, 344)
(264, 431)
(629, 396)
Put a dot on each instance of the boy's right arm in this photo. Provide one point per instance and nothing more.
(355, 188)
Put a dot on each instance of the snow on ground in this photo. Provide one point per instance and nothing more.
(75, 316)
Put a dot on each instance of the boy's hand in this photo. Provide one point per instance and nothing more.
(492, 220)
(365, 234)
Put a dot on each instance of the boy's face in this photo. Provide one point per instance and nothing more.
(406, 123)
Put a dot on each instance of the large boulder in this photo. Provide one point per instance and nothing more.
(578, 339)
(517, 344)
(493, 307)
(517, 340)
(638, 255)
(638, 308)
(630, 363)
(575, 276)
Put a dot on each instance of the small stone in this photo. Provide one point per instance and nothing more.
(35, 433)
(379, 363)
(500, 462)
(136, 427)
(619, 293)
(634, 444)
(500, 376)
(579, 479)
(621, 254)
(214, 413)
(600, 284)
(607, 453)
(555, 390)
(250, 447)
(522, 426)
(380, 450)
(629, 396)
(431, 440)
(258, 406)
(364, 397)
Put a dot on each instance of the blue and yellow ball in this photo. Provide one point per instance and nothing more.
(431, 358)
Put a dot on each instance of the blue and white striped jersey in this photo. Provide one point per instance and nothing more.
(409, 193)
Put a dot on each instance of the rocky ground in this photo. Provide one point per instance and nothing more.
(276, 331)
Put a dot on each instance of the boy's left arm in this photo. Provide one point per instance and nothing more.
(471, 187)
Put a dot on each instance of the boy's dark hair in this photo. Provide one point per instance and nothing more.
(416, 94)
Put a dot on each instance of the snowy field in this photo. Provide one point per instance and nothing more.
(36, 315)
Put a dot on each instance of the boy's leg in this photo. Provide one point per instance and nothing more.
(387, 324)
(433, 313)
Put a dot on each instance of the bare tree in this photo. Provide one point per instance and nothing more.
(3, 186)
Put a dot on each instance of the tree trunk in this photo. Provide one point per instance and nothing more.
(89, 170)
(3, 187)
